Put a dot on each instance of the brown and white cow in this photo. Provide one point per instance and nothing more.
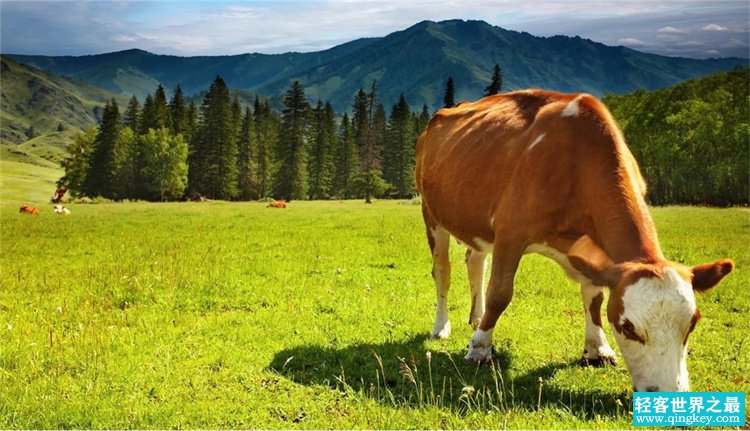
(542, 172)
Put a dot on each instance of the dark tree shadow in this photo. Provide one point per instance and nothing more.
(400, 374)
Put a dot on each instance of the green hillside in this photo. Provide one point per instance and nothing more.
(25, 178)
(37, 103)
(691, 140)
(415, 62)
(34, 105)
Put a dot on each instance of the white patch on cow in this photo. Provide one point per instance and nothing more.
(596, 341)
(492, 221)
(558, 257)
(442, 327)
(660, 310)
(480, 347)
(475, 264)
(572, 109)
(536, 141)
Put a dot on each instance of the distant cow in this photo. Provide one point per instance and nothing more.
(276, 204)
(61, 210)
(549, 173)
(28, 209)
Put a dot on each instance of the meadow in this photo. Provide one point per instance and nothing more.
(234, 315)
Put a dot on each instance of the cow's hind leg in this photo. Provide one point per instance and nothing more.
(441, 273)
(505, 259)
(439, 240)
(596, 350)
(475, 263)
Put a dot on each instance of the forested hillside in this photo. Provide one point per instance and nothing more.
(691, 140)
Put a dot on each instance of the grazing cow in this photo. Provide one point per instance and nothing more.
(277, 204)
(28, 209)
(549, 173)
(61, 210)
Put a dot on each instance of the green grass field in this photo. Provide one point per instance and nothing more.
(233, 315)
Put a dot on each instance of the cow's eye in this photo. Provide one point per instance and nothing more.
(628, 330)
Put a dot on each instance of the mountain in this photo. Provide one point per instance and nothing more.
(415, 61)
(37, 103)
(139, 72)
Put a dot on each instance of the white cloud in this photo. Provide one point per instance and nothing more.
(631, 41)
(672, 30)
(714, 27)
(124, 38)
(225, 27)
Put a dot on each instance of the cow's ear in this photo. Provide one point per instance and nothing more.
(593, 262)
(709, 275)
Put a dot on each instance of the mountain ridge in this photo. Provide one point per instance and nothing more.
(414, 61)
(37, 102)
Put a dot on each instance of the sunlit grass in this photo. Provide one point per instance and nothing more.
(233, 315)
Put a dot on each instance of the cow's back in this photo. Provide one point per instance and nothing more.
(529, 158)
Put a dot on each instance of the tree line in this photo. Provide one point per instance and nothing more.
(171, 149)
(691, 140)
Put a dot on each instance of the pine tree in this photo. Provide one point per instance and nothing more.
(346, 159)
(236, 116)
(449, 98)
(103, 162)
(247, 159)
(420, 121)
(496, 85)
(163, 117)
(147, 118)
(131, 115)
(320, 166)
(424, 116)
(361, 119)
(213, 159)
(369, 124)
(398, 153)
(191, 123)
(267, 135)
(178, 113)
(291, 177)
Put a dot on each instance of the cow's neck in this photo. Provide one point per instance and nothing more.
(625, 229)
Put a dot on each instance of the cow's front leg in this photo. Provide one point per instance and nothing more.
(596, 350)
(499, 294)
(475, 261)
(441, 273)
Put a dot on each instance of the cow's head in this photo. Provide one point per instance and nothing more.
(652, 311)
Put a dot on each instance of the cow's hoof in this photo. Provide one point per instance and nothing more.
(440, 332)
(598, 361)
(475, 321)
(478, 356)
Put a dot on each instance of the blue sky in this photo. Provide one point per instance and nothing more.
(690, 28)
